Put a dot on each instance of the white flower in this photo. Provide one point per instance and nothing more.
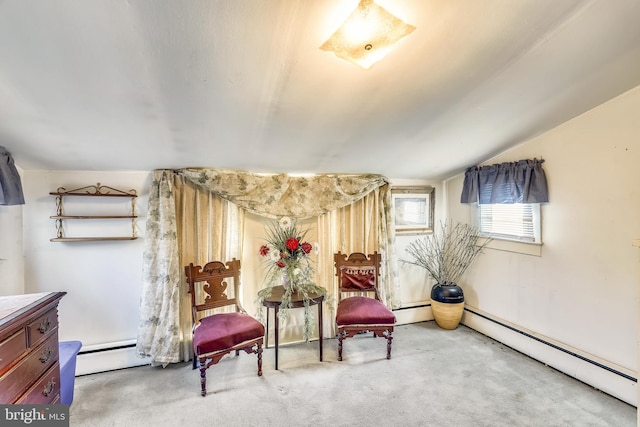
(285, 222)
(316, 248)
(296, 271)
(274, 254)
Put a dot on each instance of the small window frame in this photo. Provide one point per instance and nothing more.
(423, 194)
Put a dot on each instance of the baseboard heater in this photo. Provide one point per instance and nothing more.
(108, 357)
(554, 346)
(411, 307)
(106, 347)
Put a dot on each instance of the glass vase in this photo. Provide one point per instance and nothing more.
(286, 282)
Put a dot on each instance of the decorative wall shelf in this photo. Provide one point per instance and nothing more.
(97, 190)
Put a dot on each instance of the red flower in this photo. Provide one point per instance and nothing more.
(292, 244)
(280, 264)
(306, 247)
(264, 250)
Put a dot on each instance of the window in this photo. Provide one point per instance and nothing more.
(413, 209)
(518, 221)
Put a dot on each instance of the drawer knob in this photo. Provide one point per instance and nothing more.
(44, 325)
(45, 355)
(49, 388)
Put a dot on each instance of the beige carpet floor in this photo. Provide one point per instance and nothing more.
(434, 378)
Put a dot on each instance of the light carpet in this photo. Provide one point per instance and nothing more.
(434, 378)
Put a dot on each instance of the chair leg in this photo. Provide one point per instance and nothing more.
(203, 380)
(259, 360)
(340, 338)
(389, 338)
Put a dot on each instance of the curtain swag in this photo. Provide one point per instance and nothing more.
(10, 184)
(523, 181)
(274, 196)
(159, 328)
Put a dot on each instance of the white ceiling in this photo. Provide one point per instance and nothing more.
(145, 84)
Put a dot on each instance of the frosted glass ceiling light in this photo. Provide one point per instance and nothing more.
(367, 35)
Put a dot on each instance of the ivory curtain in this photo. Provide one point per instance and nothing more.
(208, 228)
(197, 214)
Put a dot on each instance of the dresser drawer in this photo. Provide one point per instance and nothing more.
(12, 348)
(22, 376)
(42, 327)
(46, 390)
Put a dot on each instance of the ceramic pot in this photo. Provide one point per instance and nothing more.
(447, 304)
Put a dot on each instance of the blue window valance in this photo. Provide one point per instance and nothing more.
(523, 181)
(10, 185)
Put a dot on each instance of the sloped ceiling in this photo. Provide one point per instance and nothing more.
(120, 85)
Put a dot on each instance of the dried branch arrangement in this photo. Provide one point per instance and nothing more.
(447, 255)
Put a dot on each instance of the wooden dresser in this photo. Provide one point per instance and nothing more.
(29, 368)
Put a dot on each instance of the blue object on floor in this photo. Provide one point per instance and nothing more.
(68, 350)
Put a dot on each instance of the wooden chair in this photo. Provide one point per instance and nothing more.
(356, 314)
(218, 334)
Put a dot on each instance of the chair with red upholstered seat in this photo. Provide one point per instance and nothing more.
(359, 273)
(216, 334)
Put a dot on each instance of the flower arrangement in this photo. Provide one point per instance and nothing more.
(288, 253)
(288, 258)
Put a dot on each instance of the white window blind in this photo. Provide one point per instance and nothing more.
(518, 221)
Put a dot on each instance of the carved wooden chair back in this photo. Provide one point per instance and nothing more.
(357, 273)
(213, 286)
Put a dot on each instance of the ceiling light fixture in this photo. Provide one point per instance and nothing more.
(367, 35)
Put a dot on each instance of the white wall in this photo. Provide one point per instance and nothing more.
(11, 254)
(415, 283)
(103, 278)
(582, 291)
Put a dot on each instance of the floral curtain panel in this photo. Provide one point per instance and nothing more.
(523, 181)
(159, 325)
(162, 335)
